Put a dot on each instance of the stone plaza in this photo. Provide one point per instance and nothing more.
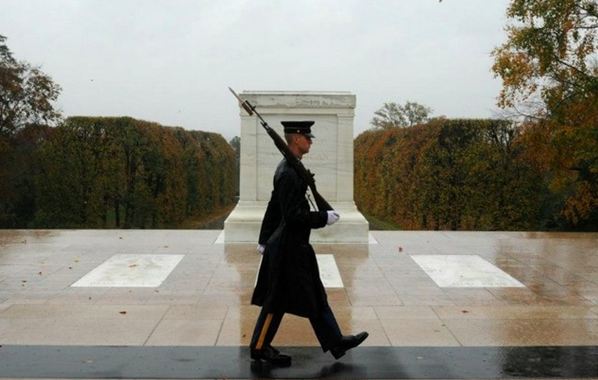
(180, 299)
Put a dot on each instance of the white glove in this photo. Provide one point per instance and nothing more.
(261, 248)
(333, 217)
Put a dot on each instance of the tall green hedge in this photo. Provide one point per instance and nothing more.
(448, 174)
(118, 172)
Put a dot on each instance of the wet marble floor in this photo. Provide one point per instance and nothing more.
(203, 298)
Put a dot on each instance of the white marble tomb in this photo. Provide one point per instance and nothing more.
(330, 159)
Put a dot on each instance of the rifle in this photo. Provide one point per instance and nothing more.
(307, 176)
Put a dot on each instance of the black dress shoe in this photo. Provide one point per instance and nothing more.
(346, 343)
(271, 355)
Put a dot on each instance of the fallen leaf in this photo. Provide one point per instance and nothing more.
(464, 311)
(400, 249)
(123, 312)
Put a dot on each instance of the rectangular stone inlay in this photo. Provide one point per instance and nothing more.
(331, 278)
(131, 271)
(464, 271)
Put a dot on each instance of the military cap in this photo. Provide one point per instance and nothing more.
(301, 127)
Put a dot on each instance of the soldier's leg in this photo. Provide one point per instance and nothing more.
(265, 329)
(329, 334)
(326, 328)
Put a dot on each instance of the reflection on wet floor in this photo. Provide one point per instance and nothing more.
(204, 300)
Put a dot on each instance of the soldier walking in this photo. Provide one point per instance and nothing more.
(289, 279)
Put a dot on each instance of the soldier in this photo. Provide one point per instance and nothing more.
(289, 279)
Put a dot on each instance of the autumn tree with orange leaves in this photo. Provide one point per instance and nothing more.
(549, 69)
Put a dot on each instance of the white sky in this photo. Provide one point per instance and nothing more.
(171, 61)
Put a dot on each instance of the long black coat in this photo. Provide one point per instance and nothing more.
(289, 279)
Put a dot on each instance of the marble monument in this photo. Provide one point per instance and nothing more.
(330, 159)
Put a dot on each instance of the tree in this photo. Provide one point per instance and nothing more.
(550, 61)
(235, 143)
(550, 52)
(393, 115)
(104, 172)
(26, 94)
(416, 113)
(448, 174)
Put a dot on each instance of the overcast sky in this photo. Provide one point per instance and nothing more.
(171, 61)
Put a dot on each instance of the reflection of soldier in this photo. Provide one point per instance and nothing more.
(289, 279)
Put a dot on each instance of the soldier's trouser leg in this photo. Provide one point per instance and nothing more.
(326, 328)
(265, 329)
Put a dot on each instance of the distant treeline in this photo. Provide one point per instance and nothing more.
(105, 172)
(467, 174)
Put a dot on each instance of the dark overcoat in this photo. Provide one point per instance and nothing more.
(289, 279)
